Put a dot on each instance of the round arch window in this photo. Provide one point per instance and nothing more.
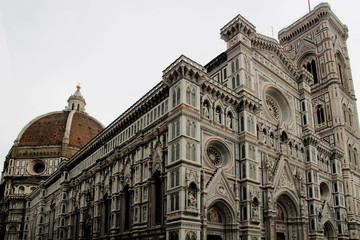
(324, 191)
(277, 105)
(36, 167)
(218, 153)
(214, 156)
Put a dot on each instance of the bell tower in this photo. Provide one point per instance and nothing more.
(317, 42)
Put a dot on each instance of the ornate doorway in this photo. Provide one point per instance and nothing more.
(287, 225)
(220, 222)
(329, 231)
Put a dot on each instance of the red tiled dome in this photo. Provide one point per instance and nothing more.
(50, 129)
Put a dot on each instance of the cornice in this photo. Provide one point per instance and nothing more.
(262, 42)
(183, 67)
(237, 25)
(240, 100)
(319, 13)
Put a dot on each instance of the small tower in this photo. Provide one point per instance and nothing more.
(76, 101)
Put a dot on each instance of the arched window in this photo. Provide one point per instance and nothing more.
(249, 124)
(173, 236)
(177, 151)
(312, 224)
(320, 115)
(177, 96)
(311, 209)
(193, 129)
(237, 64)
(242, 123)
(78, 107)
(177, 128)
(73, 106)
(311, 67)
(107, 210)
(349, 153)
(309, 177)
(127, 208)
(355, 156)
(188, 126)
(173, 154)
(21, 190)
(156, 198)
(341, 70)
(304, 120)
(310, 192)
(350, 117)
(188, 93)
(193, 152)
(233, 82)
(243, 151)
(237, 80)
(232, 67)
(174, 98)
(187, 150)
(193, 98)
(345, 113)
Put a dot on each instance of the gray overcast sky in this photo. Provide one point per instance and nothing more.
(117, 50)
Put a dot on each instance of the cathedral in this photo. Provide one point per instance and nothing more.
(260, 143)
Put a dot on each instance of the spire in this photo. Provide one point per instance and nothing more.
(76, 101)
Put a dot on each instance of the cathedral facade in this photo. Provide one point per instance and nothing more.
(260, 143)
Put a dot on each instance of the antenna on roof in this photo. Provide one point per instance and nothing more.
(309, 5)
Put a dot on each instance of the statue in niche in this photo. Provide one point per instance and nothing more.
(192, 201)
(229, 120)
(218, 115)
(271, 141)
(254, 208)
(206, 109)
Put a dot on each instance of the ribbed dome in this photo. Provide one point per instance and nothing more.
(50, 129)
(57, 134)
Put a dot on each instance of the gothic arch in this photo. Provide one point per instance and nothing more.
(329, 231)
(288, 216)
(156, 198)
(221, 221)
(309, 61)
(341, 68)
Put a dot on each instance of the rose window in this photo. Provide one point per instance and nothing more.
(277, 105)
(273, 107)
(214, 156)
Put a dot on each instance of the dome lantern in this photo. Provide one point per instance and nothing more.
(76, 101)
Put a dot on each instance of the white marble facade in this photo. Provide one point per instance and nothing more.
(261, 143)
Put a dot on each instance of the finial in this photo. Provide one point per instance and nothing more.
(78, 86)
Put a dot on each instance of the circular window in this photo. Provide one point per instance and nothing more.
(39, 167)
(273, 107)
(36, 167)
(276, 105)
(214, 156)
(218, 153)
